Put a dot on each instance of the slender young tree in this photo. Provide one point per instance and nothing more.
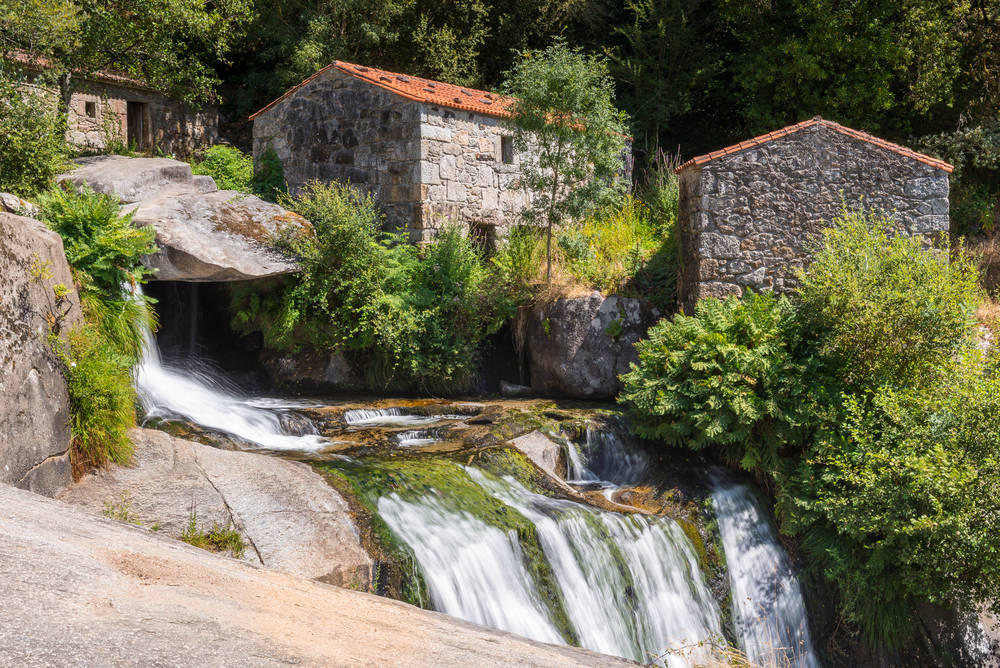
(563, 114)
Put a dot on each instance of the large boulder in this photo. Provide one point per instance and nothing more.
(34, 405)
(204, 234)
(577, 347)
(290, 518)
(217, 236)
(135, 179)
(82, 590)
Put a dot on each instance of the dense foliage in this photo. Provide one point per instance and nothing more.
(231, 168)
(32, 148)
(104, 251)
(418, 316)
(733, 375)
(867, 403)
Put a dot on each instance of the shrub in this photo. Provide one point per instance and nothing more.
(901, 504)
(518, 261)
(231, 168)
(32, 137)
(101, 396)
(888, 309)
(735, 375)
(269, 176)
(419, 315)
(98, 241)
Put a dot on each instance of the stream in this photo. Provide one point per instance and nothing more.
(494, 548)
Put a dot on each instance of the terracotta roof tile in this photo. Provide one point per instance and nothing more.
(413, 88)
(791, 129)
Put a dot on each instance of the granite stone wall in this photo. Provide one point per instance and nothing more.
(747, 219)
(463, 175)
(98, 112)
(339, 128)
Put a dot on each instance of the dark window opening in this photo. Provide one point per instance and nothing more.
(483, 236)
(507, 150)
(90, 108)
(136, 125)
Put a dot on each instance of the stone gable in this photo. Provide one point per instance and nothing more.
(748, 216)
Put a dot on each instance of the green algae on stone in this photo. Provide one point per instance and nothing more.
(445, 479)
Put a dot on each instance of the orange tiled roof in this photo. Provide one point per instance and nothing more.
(791, 129)
(36, 62)
(413, 88)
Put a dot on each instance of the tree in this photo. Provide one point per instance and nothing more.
(563, 113)
(172, 45)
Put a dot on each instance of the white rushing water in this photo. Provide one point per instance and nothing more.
(199, 397)
(604, 458)
(770, 615)
(472, 570)
(630, 585)
(392, 417)
(418, 438)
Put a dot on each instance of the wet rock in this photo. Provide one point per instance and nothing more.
(34, 405)
(134, 179)
(577, 347)
(513, 390)
(537, 447)
(315, 371)
(292, 520)
(84, 590)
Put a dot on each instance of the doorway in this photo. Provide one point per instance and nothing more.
(136, 125)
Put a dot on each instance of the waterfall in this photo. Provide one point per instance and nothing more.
(604, 458)
(198, 396)
(630, 584)
(418, 437)
(473, 571)
(392, 417)
(770, 615)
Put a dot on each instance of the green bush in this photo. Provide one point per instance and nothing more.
(735, 375)
(98, 241)
(417, 315)
(32, 137)
(901, 503)
(269, 176)
(105, 252)
(231, 168)
(101, 396)
(888, 309)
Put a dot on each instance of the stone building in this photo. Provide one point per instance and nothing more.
(108, 107)
(749, 211)
(429, 151)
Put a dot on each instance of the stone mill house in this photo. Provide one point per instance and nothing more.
(749, 211)
(430, 151)
(111, 106)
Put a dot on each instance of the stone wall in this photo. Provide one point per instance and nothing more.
(339, 128)
(98, 113)
(462, 172)
(746, 219)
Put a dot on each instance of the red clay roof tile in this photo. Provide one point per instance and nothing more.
(791, 129)
(413, 88)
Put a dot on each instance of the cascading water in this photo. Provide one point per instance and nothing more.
(201, 398)
(473, 571)
(417, 438)
(631, 584)
(604, 458)
(771, 621)
(391, 417)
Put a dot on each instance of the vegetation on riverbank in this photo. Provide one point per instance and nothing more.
(869, 404)
(104, 251)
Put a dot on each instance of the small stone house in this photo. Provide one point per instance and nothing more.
(109, 106)
(748, 211)
(430, 151)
